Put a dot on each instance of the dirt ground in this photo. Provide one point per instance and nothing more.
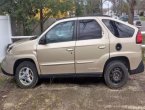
(73, 94)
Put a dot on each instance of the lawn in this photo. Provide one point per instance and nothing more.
(142, 18)
(144, 39)
(143, 50)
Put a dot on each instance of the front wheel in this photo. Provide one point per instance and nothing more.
(26, 75)
(116, 75)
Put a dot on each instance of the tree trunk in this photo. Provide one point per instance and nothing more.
(41, 20)
(101, 2)
(132, 4)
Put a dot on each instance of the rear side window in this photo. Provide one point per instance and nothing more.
(118, 29)
(89, 29)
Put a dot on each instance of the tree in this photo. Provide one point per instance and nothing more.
(131, 5)
(88, 7)
(119, 6)
(93, 7)
(78, 8)
(51, 7)
(21, 11)
(24, 11)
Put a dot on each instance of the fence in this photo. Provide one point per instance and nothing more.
(5, 34)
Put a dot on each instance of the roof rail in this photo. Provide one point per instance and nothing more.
(96, 15)
(84, 16)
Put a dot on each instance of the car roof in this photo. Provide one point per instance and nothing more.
(83, 17)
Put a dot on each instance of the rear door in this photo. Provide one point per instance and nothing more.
(123, 41)
(92, 46)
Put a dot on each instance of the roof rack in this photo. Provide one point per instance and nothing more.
(84, 16)
(96, 15)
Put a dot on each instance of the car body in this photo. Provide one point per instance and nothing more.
(136, 20)
(124, 18)
(78, 46)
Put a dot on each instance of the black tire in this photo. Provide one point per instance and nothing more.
(32, 67)
(116, 75)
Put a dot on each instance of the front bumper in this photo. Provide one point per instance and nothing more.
(4, 72)
(139, 69)
(7, 65)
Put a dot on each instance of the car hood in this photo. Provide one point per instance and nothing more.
(20, 42)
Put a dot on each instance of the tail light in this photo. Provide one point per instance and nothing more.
(139, 38)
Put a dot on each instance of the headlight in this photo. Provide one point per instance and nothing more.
(9, 48)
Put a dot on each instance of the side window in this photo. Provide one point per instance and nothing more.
(118, 29)
(89, 29)
(61, 32)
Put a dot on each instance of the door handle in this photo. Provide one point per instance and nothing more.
(102, 47)
(69, 49)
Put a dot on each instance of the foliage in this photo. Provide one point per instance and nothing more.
(24, 11)
(142, 18)
(119, 7)
(21, 11)
(93, 7)
(78, 8)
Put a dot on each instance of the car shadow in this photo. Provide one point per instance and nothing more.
(72, 80)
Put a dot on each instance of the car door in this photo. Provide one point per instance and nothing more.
(92, 46)
(57, 55)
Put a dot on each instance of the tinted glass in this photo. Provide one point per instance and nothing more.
(61, 32)
(118, 29)
(136, 18)
(124, 18)
(89, 29)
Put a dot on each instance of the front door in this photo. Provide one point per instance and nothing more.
(57, 56)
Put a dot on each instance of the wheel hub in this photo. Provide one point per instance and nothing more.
(26, 76)
(116, 75)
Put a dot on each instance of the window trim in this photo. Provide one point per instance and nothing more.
(120, 23)
(74, 32)
(78, 29)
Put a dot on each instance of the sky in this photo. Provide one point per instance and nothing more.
(107, 4)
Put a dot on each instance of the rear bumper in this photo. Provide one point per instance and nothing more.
(139, 69)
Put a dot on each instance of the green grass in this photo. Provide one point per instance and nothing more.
(142, 18)
(2, 80)
(143, 39)
(143, 50)
(0, 68)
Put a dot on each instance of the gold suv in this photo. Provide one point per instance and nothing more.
(78, 46)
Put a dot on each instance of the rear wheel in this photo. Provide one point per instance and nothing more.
(26, 75)
(116, 74)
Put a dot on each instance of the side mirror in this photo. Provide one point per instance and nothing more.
(42, 41)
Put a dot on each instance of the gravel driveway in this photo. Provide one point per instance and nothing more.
(73, 94)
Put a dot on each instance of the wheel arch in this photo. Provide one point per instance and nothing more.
(123, 59)
(17, 62)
